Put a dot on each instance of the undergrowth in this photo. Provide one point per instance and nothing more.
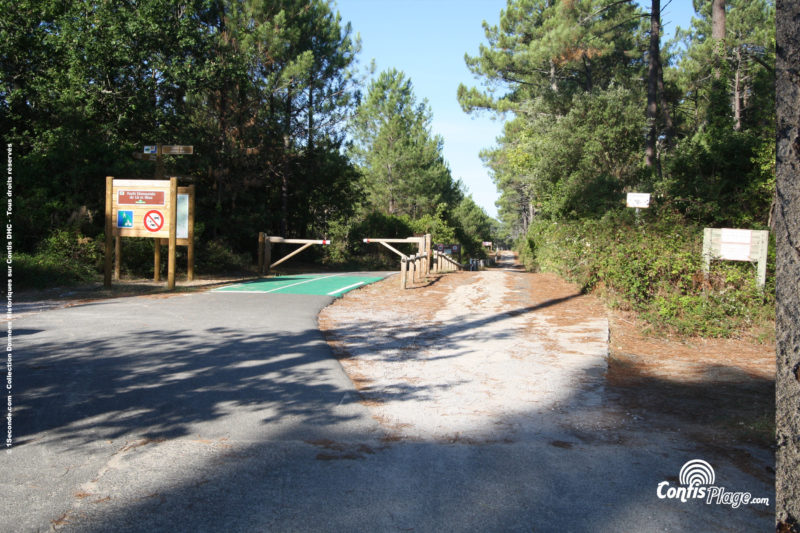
(653, 266)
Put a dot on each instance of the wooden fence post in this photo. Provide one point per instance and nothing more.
(261, 238)
(190, 251)
(403, 267)
(173, 222)
(117, 256)
(109, 201)
(157, 260)
(429, 257)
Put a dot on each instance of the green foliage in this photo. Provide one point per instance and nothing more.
(401, 161)
(653, 267)
(65, 257)
(216, 256)
(261, 89)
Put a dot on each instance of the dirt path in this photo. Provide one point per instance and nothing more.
(473, 364)
(497, 355)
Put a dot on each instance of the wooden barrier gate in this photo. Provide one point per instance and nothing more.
(417, 265)
(265, 250)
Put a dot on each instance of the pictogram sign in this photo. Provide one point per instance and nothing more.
(153, 220)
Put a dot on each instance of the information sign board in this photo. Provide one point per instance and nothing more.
(133, 201)
(638, 199)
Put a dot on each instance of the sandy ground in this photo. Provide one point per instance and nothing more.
(485, 356)
(474, 368)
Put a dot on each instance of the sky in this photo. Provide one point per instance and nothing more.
(427, 39)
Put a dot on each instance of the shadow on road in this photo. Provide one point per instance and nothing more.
(161, 385)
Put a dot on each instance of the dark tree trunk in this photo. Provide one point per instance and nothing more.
(787, 266)
(287, 168)
(652, 84)
(718, 33)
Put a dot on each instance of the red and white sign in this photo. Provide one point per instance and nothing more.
(153, 220)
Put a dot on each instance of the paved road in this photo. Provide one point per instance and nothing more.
(227, 412)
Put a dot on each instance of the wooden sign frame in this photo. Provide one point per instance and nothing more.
(737, 245)
(147, 208)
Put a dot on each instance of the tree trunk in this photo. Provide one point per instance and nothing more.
(737, 93)
(652, 84)
(718, 33)
(310, 138)
(587, 65)
(668, 127)
(287, 149)
(787, 268)
(718, 20)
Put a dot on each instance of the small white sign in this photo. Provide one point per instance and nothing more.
(150, 149)
(638, 199)
(735, 244)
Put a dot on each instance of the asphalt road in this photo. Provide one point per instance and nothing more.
(227, 412)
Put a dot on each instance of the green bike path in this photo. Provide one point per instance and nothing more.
(315, 284)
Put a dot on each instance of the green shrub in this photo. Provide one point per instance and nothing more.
(653, 266)
(63, 258)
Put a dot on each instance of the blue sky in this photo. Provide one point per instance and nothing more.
(427, 39)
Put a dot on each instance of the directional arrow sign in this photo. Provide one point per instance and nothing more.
(177, 149)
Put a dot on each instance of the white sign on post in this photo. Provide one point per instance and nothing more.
(638, 199)
(735, 244)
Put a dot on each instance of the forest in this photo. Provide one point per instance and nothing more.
(292, 137)
(596, 106)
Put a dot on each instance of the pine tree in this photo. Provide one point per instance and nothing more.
(401, 160)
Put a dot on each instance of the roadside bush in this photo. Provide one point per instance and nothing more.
(64, 257)
(654, 268)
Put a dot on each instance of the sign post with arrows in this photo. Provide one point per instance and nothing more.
(156, 152)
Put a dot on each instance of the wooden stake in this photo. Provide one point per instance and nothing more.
(173, 222)
(109, 226)
(117, 256)
(157, 260)
(428, 246)
(190, 251)
(261, 238)
(403, 266)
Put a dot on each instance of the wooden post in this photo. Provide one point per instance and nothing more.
(173, 222)
(261, 238)
(159, 163)
(403, 266)
(421, 249)
(109, 226)
(190, 250)
(267, 255)
(157, 260)
(428, 246)
(117, 256)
